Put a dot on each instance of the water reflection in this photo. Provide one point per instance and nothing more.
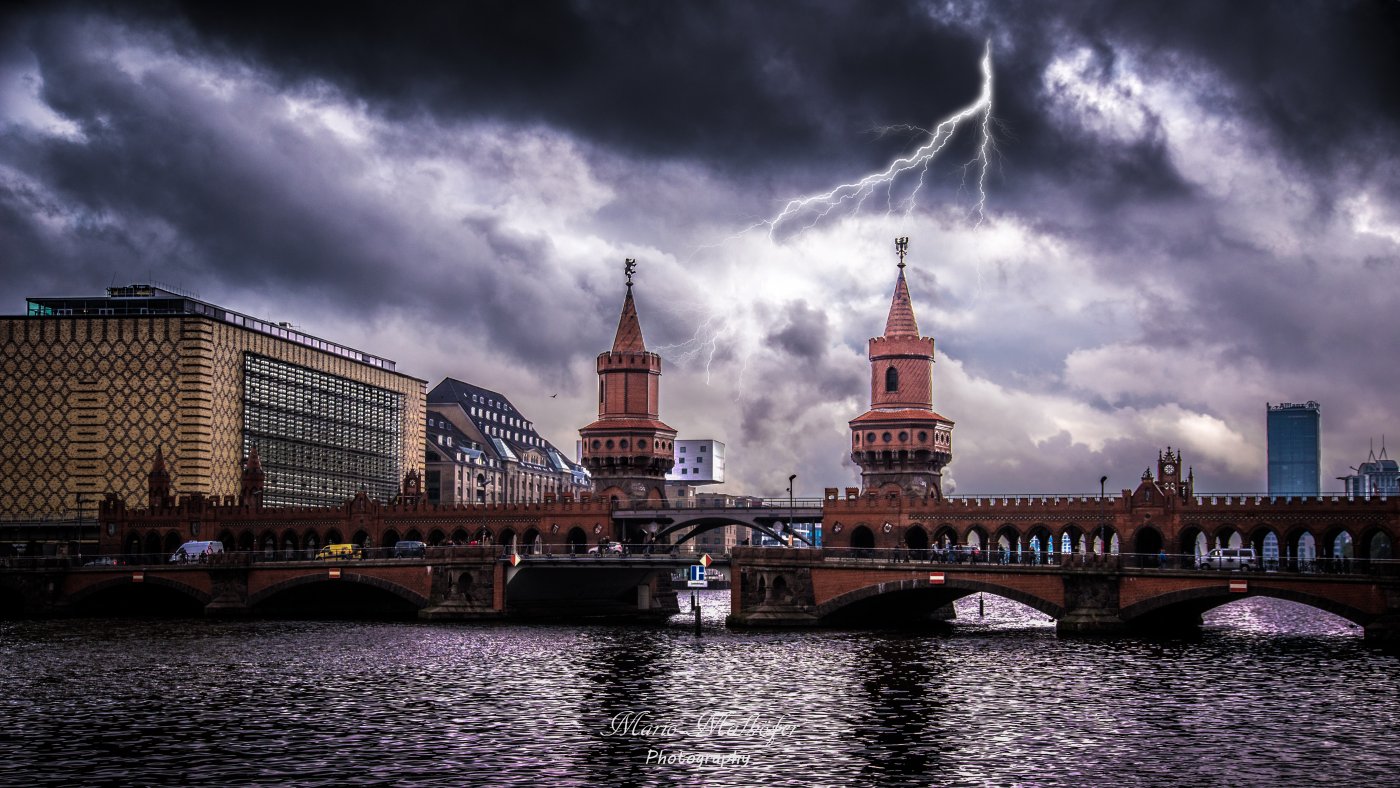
(1271, 693)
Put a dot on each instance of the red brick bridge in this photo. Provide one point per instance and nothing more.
(1085, 594)
(460, 583)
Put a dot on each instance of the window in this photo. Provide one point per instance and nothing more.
(702, 448)
(891, 379)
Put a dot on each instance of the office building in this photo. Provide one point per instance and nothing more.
(95, 387)
(1376, 476)
(1295, 448)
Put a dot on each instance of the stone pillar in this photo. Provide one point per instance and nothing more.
(1091, 605)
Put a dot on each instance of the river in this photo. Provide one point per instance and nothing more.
(1271, 694)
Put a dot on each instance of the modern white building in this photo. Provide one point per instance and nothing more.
(698, 462)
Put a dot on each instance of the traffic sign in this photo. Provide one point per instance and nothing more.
(695, 577)
(515, 559)
(935, 578)
(705, 560)
(1239, 586)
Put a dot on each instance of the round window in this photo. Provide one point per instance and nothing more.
(609, 444)
(870, 437)
(622, 443)
(641, 444)
(885, 437)
(903, 436)
(595, 445)
(923, 437)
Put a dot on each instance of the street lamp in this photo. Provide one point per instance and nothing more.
(80, 527)
(1103, 523)
(789, 528)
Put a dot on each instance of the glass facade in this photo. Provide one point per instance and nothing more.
(320, 437)
(1295, 449)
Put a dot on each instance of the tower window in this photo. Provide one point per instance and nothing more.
(891, 379)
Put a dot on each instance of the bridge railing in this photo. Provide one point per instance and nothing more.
(964, 556)
(779, 504)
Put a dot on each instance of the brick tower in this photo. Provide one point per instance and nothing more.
(901, 444)
(629, 449)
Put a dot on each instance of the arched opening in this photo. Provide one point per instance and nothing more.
(916, 540)
(1272, 616)
(1040, 547)
(333, 537)
(1006, 547)
(132, 548)
(1378, 549)
(227, 538)
(1072, 541)
(576, 541)
(435, 538)
(391, 538)
(413, 535)
(531, 543)
(289, 543)
(508, 540)
(1268, 551)
(245, 542)
(153, 548)
(1303, 550)
(267, 545)
(483, 536)
(1342, 552)
(976, 540)
(139, 600)
(459, 536)
(335, 599)
(312, 545)
(1148, 549)
(172, 543)
(863, 541)
(891, 378)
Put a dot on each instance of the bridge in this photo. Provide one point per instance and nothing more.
(447, 583)
(1086, 594)
(679, 521)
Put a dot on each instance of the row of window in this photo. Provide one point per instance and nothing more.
(321, 437)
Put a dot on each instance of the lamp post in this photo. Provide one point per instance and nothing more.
(80, 528)
(1103, 523)
(789, 528)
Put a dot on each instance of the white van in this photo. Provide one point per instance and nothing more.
(1229, 558)
(196, 551)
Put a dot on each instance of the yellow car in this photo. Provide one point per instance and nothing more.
(339, 552)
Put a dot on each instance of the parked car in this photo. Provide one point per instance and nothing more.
(103, 560)
(604, 547)
(409, 549)
(1229, 558)
(196, 551)
(340, 552)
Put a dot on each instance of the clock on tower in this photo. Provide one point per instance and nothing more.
(1169, 470)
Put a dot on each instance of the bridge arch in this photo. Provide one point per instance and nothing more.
(1188, 604)
(707, 523)
(1375, 544)
(870, 597)
(408, 595)
(122, 588)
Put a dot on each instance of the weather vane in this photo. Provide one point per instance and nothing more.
(630, 266)
(901, 245)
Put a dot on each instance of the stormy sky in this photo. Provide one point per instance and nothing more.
(1192, 208)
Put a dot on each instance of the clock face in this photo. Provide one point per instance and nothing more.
(1168, 468)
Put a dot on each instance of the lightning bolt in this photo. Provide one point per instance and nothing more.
(816, 207)
(851, 198)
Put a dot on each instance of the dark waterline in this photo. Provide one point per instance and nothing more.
(1270, 694)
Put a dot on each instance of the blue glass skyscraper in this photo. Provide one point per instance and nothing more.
(1295, 449)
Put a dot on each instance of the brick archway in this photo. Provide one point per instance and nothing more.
(958, 587)
(407, 594)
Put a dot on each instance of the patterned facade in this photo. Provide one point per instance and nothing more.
(89, 400)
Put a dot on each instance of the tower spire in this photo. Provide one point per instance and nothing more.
(629, 328)
(901, 322)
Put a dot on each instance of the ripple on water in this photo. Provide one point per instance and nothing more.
(1270, 693)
